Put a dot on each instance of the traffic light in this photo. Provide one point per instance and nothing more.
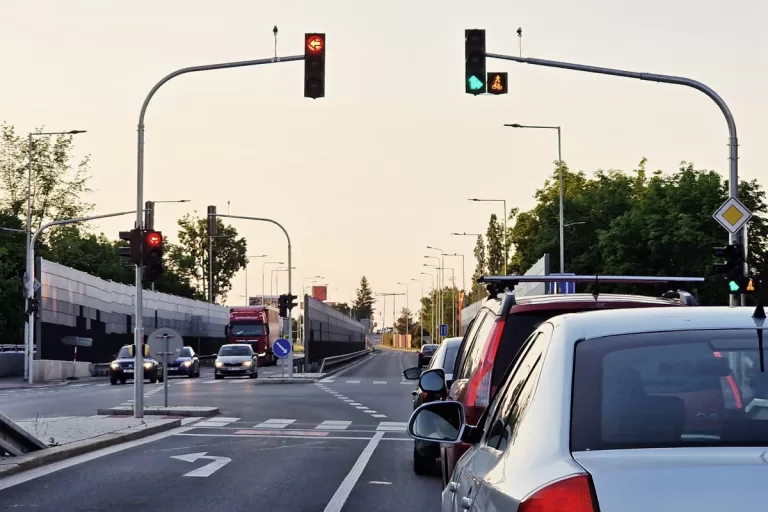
(149, 215)
(290, 301)
(314, 66)
(211, 221)
(282, 305)
(497, 83)
(474, 57)
(732, 267)
(152, 255)
(133, 251)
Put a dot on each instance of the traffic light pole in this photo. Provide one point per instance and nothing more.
(290, 267)
(733, 183)
(138, 388)
(29, 342)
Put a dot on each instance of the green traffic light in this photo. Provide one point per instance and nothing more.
(734, 286)
(475, 83)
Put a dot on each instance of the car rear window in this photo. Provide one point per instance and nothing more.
(670, 389)
(428, 349)
(451, 352)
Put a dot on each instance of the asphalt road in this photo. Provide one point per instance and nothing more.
(332, 446)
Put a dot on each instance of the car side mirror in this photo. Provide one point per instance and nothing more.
(412, 373)
(443, 422)
(433, 381)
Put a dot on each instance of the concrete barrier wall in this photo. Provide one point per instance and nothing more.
(11, 364)
(46, 370)
(330, 332)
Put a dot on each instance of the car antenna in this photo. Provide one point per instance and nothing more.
(759, 318)
(596, 293)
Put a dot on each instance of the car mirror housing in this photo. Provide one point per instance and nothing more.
(433, 381)
(442, 422)
(412, 373)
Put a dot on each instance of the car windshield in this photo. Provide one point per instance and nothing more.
(186, 352)
(669, 389)
(235, 350)
(451, 351)
(248, 330)
(124, 353)
(428, 349)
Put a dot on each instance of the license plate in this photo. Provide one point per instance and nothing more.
(128, 371)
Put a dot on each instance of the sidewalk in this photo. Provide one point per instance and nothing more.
(20, 383)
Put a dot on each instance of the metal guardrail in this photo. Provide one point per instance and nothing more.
(14, 348)
(334, 360)
(15, 441)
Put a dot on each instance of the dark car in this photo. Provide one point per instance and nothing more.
(499, 329)
(425, 453)
(236, 359)
(121, 369)
(425, 354)
(186, 364)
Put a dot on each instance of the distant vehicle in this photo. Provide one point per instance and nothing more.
(121, 369)
(237, 359)
(425, 453)
(425, 354)
(502, 324)
(258, 326)
(615, 410)
(186, 364)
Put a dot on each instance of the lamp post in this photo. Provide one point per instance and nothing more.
(421, 310)
(560, 177)
(434, 300)
(453, 299)
(247, 299)
(30, 156)
(504, 238)
(407, 304)
(276, 273)
(263, 290)
(439, 294)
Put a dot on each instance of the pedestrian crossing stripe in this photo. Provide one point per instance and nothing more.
(293, 425)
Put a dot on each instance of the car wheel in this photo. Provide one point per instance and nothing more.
(122, 381)
(217, 377)
(152, 380)
(254, 375)
(113, 380)
(421, 465)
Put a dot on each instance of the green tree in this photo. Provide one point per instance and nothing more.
(495, 243)
(189, 259)
(11, 272)
(406, 317)
(342, 307)
(363, 305)
(480, 270)
(58, 183)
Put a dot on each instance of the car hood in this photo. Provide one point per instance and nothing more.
(672, 479)
(233, 359)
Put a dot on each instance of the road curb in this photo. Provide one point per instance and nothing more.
(200, 412)
(13, 465)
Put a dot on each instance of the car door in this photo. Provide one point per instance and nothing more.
(501, 421)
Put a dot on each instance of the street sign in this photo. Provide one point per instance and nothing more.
(562, 287)
(732, 215)
(443, 330)
(158, 346)
(282, 348)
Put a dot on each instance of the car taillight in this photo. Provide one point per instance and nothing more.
(732, 386)
(573, 494)
(479, 389)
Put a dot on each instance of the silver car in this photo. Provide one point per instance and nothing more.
(619, 410)
(236, 359)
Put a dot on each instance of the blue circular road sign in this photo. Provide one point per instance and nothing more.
(282, 348)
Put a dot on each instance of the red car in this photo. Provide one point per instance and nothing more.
(504, 322)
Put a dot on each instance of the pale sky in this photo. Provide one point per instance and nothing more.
(364, 178)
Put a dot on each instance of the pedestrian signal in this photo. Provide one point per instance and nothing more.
(497, 83)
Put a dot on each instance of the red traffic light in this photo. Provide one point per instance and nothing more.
(315, 43)
(153, 239)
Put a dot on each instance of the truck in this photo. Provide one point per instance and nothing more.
(258, 326)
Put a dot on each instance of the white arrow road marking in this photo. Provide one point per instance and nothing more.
(208, 469)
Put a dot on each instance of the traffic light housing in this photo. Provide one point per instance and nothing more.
(282, 305)
(152, 255)
(291, 301)
(497, 83)
(133, 251)
(212, 226)
(314, 65)
(733, 268)
(474, 61)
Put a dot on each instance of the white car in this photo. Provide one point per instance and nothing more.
(618, 411)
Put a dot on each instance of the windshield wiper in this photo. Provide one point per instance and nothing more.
(759, 319)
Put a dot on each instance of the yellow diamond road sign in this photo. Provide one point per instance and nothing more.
(732, 215)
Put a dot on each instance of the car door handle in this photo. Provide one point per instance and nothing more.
(453, 486)
(466, 503)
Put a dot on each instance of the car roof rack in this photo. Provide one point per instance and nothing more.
(501, 284)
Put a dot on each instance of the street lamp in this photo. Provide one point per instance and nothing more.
(434, 323)
(506, 250)
(276, 276)
(263, 290)
(466, 234)
(407, 304)
(247, 300)
(28, 271)
(562, 187)
(441, 279)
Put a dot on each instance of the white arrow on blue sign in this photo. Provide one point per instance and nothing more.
(443, 329)
(282, 348)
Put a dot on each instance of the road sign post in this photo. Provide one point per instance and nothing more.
(172, 343)
(283, 349)
(443, 330)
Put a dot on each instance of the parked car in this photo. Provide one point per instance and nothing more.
(121, 369)
(425, 454)
(596, 414)
(497, 332)
(186, 364)
(236, 359)
(425, 354)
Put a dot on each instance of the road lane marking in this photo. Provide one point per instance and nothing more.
(360, 407)
(392, 426)
(344, 490)
(207, 470)
(333, 425)
(26, 476)
(379, 415)
(379, 382)
(217, 422)
(283, 433)
(353, 382)
(277, 434)
(355, 403)
(274, 423)
(370, 411)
